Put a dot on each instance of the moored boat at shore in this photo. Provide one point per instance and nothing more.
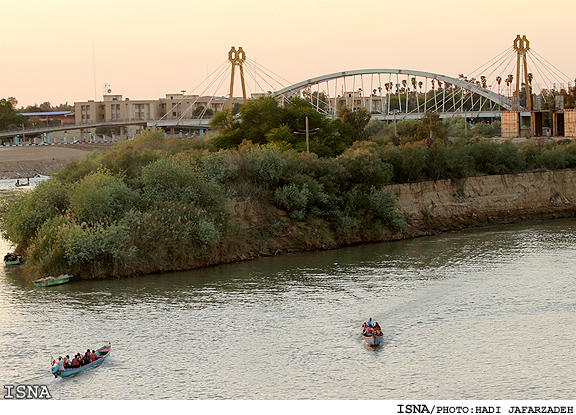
(12, 258)
(101, 355)
(20, 184)
(48, 281)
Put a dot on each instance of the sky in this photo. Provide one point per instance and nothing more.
(65, 51)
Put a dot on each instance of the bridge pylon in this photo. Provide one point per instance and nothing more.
(237, 58)
(521, 46)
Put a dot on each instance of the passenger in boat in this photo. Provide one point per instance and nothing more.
(92, 356)
(364, 328)
(369, 323)
(60, 364)
(75, 362)
(369, 331)
(88, 357)
(377, 330)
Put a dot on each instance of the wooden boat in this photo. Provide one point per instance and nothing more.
(101, 355)
(12, 258)
(20, 184)
(47, 281)
(373, 340)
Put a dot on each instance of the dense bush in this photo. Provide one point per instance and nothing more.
(28, 211)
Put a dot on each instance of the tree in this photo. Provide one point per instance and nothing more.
(9, 118)
(509, 80)
(431, 128)
(353, 127)
(317, 99)
(499, 80)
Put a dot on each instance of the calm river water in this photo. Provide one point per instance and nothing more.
(479, 314)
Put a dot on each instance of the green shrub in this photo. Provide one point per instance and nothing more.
(366, 167)
(102, 248)
(28, 211)
(101, 196)
(294, 199)
(267, 166)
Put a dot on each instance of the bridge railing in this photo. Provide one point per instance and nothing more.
(102, 123)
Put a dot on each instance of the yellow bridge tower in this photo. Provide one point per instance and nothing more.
(237, 58)
(521, 46)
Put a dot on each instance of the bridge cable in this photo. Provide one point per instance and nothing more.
(187, 95)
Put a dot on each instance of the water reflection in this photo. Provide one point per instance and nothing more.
(288, 327)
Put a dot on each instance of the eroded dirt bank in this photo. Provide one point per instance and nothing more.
(430, 207)
(477, 201)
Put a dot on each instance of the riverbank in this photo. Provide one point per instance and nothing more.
(429, 208)
(443, 205)
(282, 203)
(435, 206)
(28, 161)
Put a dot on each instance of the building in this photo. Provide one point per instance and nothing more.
(172, 107)
(51, 118)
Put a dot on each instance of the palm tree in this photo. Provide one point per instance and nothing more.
(450, 88)
(404, 86)
(509, 80)
(413, 81)
(443, 94)
(434, 92)
(387, 86)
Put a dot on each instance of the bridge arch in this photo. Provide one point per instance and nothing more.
(403, 75)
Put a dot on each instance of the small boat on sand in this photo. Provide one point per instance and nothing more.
(101, 355)
(12, 258)
(47, 281)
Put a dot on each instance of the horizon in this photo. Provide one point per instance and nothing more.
(147, 49)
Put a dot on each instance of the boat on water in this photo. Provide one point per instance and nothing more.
(372, 333)
(12, 258)
(20, 184)
(47, 281)
(101, 355)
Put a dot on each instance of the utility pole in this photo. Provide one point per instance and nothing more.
(307, 137)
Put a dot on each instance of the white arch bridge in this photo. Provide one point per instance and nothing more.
(401, 94)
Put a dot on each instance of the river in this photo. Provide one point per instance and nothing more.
(484, 313)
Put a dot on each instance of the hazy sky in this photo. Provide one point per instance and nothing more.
(67, 50)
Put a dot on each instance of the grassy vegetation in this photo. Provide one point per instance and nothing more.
(156, 204)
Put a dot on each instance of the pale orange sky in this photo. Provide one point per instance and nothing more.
(145, 49)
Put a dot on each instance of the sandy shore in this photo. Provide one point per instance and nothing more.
(28, 161)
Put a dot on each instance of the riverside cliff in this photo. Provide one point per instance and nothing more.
(429, 207)
(443, 205)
